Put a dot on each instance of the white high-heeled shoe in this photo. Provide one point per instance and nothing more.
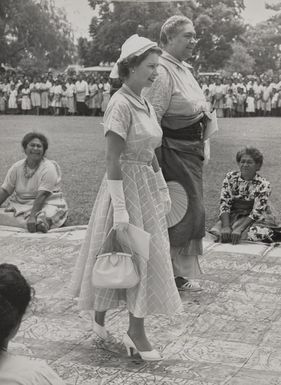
(150, 355)
(100, 331)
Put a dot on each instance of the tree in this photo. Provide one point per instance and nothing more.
(263, 42)
(218, 24)
(34, 33)
(240, 61)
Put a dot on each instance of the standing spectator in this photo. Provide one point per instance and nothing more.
(258, 97)
(82, 94)
(274, 102)
(6, 88)
(250, 103)
(35, 89)
(229, 104)
(70, 94)
(57, 94)
(25, 101)
(12, 101)
(45, 89)
(266, 98)
(93, 90)
(218, 98)
(208, 98)
(279, 103)
(240, 106)
(98, 99)
(105, 95)
(2, 102)
(64, 101)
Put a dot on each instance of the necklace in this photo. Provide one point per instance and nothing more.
(29, 172)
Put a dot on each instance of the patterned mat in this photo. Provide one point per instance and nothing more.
(228, 334)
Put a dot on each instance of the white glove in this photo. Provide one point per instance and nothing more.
(120, 214)
(164, 191)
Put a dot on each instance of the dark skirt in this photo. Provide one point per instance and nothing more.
(184, 164)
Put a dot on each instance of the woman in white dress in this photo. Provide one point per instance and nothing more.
(133, 190)
(31, 189)
(12, 101)
(93, 90)
(35, 88)
(25, 100)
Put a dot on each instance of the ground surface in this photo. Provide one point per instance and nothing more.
(229, 333)
(77, 143)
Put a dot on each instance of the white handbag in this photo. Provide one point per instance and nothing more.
(114, 270)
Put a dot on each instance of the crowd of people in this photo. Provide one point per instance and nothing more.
(49, 95)
(239, 96)
(155, 133)
(233, 96)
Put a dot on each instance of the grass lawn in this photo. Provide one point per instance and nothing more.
(77, 144)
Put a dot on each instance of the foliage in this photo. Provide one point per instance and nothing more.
(35, 34)
(264, 41)
(240, 61)
(218, 24)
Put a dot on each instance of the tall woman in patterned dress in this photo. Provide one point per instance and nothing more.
(132, 191)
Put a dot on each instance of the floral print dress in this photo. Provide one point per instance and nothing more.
(247, 198)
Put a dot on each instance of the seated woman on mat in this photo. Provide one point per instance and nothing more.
(33, 188)
(245, 212)
(15, 296)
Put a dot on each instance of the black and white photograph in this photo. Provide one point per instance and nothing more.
(140, 194)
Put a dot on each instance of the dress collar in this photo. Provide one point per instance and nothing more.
(256, 177)
(182, 64)
(135, 99)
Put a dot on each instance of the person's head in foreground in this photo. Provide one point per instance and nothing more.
(15, 296)
(138, 62)
(35, 146)
(178, 37)
(249, 160)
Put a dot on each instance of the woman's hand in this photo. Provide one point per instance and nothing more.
(226, 234)
(31, 224)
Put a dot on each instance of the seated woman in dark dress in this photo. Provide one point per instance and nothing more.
(245, 212)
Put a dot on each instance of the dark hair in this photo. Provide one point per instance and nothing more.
(134, 61)
(253, 152)
(15, 295)
(35, 135)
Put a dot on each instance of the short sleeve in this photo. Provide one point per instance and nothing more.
(226, 195)
(160, 93)
(117, 118)
(9, 184)
(49, 178)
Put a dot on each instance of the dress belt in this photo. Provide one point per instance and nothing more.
(193, 133)
(135, 161)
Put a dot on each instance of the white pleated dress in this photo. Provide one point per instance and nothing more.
(156, 293)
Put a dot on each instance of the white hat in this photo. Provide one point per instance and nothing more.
(134, 45)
